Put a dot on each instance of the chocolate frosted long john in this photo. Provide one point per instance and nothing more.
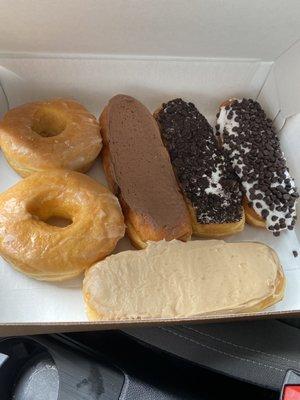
(139, 171)
(253, 148)
(207, 181)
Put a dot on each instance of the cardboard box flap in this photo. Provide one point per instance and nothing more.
(280, 93)
(287, 75)
(257, 29)
(3, 101)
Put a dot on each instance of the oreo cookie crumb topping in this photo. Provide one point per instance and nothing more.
(253, 147)
(203, 175)
(295, 253)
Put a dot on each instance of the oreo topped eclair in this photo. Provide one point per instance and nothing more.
(206, 179)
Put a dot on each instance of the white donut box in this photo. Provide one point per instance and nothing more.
(202, 50)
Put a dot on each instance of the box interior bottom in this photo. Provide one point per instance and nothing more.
(93, 82)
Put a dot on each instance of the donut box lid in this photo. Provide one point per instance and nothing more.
(203, 51)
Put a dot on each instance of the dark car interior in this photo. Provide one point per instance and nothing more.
(248, 360)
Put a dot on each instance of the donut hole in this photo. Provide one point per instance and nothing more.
(48, 123)
(54, 220)
(60, 222)
(51, 212)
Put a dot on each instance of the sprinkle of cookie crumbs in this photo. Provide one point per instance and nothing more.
(204, 175)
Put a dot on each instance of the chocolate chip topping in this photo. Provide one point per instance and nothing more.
(253, 147)
(204, 176)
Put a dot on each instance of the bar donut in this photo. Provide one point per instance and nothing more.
(139, 172)
(179, 280)
(253, 148)
(51, 134)
(207, 181)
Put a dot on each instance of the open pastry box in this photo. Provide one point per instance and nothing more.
(202, 51)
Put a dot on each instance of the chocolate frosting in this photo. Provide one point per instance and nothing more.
(141, 165)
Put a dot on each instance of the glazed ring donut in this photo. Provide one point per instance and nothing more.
(53, 253)
(50, 134)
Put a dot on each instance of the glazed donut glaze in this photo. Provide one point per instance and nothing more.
(48, 252)
(50, 134)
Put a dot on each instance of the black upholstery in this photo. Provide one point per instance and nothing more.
(259, 352)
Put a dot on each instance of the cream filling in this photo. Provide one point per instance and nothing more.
(229, 124)
(177, 280)
(214, 182)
